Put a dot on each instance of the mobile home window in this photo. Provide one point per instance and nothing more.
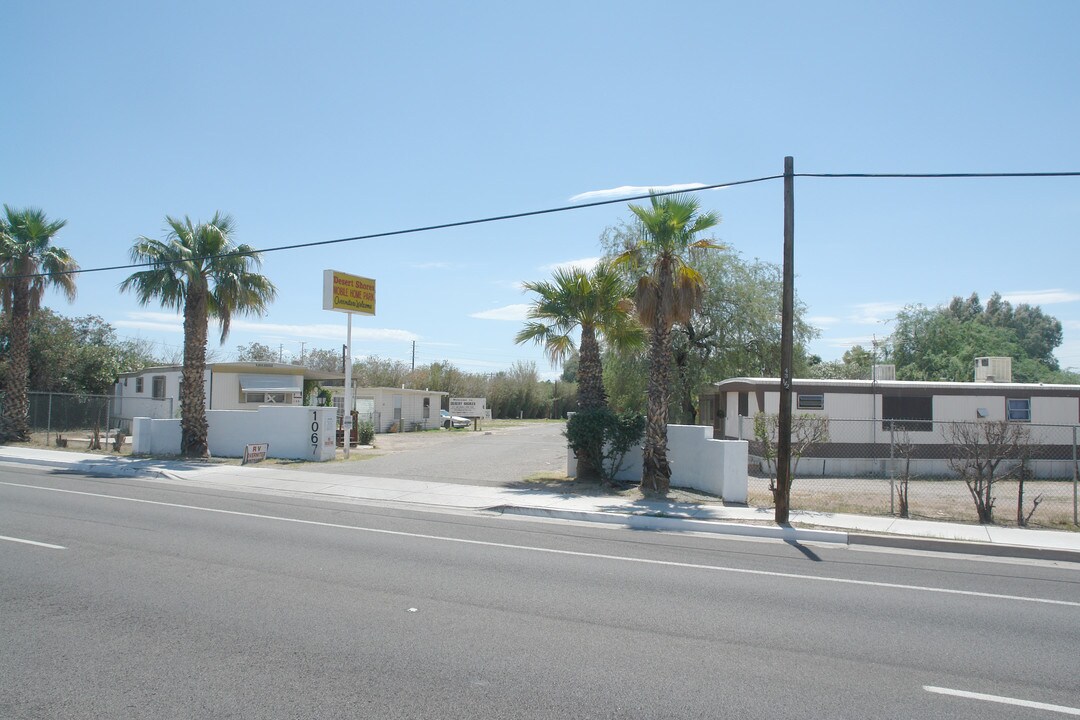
(907, 413)
(811, 402)
(138, 384)
(158, 387)
(266, 398)
(744, 404)
(1018, 409)
(427, 408)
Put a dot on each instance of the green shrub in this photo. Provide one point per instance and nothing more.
(365, 433)
(601, 438)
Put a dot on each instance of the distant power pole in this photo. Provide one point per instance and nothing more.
(413, 355)
(281, 352)
(302, 344)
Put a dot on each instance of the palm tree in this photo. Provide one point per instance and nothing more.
(595, 304)
(200, 269)
(29, 263)
(668, 291)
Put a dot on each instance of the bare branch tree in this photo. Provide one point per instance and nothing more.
(904, 449)
(807, 431)
(978, 450)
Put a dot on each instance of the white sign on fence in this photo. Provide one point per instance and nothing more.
(468, 407)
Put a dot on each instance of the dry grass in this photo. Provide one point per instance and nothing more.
(930, 499)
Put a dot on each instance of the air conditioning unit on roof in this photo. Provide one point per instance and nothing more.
(993, 369)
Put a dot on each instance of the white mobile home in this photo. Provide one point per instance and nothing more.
(155, 392)
(394, 409)
(865, 416)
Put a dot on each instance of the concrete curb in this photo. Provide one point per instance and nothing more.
(657, 522)
(964, 547)
(125, 470)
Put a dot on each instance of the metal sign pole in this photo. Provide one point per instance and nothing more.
(346, 421)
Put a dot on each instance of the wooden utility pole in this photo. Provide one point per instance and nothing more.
(783, 441)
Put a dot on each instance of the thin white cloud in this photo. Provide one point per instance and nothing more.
(167, 322)
(823, 321)
(1041, 297)
(585, 264)
(153, 321)
(874, 313)
(866, 341)
(631, 190)
(515, 313)
(325, 331)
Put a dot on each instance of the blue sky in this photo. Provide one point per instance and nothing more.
(329, 120)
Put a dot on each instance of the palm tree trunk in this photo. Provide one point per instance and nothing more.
(656, 471)
(590, 372)
(16, 402)
(193, 426)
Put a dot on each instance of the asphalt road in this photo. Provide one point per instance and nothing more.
(173, 602)
(495, 457)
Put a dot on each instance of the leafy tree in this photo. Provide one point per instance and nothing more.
(255, 352)
(736, 332)
(200, 269)
(321, 359)
(593, 303)
(857, 363)
(29, 263)
(374, 371)
(669, 290)
(77, 355)
(940, 343)
(570, 368)
(933, 344)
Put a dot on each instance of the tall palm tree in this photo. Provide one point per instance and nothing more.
(668, 291)
(199, 269)
(29, 263)
(592, 302)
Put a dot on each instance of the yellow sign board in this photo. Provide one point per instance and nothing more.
(348, 293)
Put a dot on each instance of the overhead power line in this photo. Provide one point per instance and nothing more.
(940, 175)
(408, 231)
(560, 209)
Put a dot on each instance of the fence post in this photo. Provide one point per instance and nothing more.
(1076, 474)
(892, 469)
(48, 423)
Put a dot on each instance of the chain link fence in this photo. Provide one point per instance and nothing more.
(53, 413)
(1006, 472)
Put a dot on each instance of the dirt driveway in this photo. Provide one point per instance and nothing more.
(500, 454)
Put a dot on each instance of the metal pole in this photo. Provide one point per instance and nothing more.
(48, 424)
(346, 421)
(892, 469)
(1076, 476)
(783, 445)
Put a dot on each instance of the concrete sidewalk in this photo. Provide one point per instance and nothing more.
(641, 514)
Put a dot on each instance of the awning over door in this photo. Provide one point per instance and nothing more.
(272, 383)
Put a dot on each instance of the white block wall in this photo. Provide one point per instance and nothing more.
(697, 461)
(293, 432)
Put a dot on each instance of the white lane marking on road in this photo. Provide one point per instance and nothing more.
(1063, 709)
(572, 553)
(33, 542)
